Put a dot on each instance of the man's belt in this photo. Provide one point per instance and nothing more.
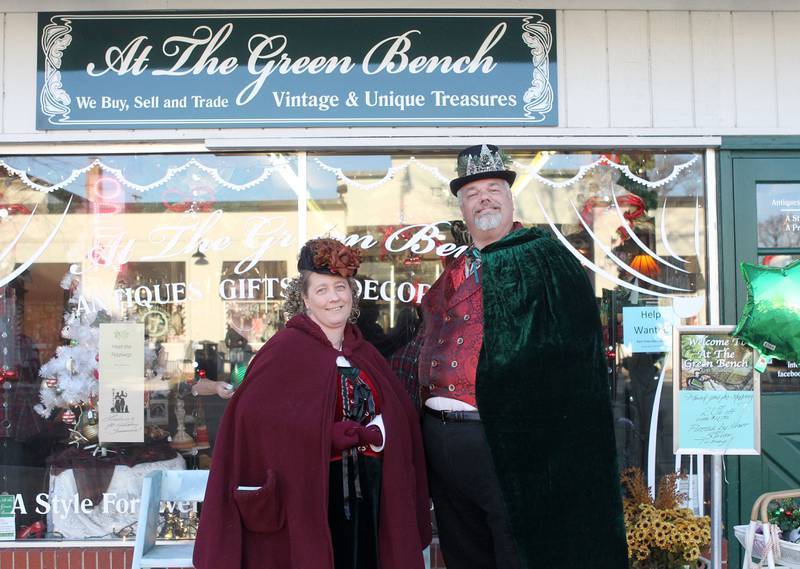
(454, 416)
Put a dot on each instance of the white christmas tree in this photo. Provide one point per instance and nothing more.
(70, 378)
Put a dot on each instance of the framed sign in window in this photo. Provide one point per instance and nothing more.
(716, 393)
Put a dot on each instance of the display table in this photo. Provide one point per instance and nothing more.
(111, 508)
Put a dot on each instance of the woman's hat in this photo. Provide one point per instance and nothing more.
(481, 162)
(328, 256)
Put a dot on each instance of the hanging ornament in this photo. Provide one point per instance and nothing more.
(51, 382)
(645, 264)
(88, 429)
(96, 373)
(68, 417)
(8, 374)
(71, 365)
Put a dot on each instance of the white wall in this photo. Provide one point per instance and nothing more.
(621, 73)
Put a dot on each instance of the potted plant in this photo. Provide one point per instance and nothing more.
(661, 534)
(785, 514)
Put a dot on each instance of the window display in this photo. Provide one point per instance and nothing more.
(198, 250)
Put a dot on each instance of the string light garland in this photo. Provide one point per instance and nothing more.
(171, 172)
(281, 162)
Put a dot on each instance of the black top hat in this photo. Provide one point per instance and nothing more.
(481, 162)
(328, 256)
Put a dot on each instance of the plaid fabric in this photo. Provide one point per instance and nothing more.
(404, 363)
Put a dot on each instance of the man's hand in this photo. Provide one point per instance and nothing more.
(224, 390)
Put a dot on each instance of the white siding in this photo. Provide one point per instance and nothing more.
(19, 100)
(629, 69)
(712, 56)
(754, 62)
(586, 69)
(2, 65)
(787, 65)
(671, 69)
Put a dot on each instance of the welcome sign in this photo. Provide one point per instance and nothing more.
(218, 70)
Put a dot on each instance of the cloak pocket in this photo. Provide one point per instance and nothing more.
(261, 510)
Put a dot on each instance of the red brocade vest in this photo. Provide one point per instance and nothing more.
(452, 336)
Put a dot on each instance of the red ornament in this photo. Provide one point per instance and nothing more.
(51, 382)
(8, 375)
(68, 417)
(96, 374)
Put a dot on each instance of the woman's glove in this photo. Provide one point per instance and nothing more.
(370, 435)
(344, 435)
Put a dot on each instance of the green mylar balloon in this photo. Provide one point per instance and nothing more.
(770, 321)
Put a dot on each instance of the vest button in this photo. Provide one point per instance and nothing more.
(454, 363)
(466, 317)
(451, 387)
(447, 318)
(441, 341)
(434, 363)
(460, 341)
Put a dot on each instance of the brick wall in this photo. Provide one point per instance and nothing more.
(98, 558)
(66, 558)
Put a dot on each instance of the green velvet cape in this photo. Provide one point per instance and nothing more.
(544, 398)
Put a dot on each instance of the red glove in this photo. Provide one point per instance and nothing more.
(370, 436)
(344, 435)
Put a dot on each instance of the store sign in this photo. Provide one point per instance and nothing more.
(778, 207)
(781, 376)
(716, 393)
(7, 517)
(648, 329)
(228, 69)
(121, 367)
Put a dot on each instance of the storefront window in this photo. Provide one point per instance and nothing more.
(197, 249)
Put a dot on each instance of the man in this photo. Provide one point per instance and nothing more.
(517, 423)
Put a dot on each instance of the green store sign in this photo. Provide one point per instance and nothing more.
(267, 69)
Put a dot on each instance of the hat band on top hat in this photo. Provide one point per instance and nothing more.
(479, 163)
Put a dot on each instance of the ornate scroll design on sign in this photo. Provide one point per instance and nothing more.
(54, 99)
(539, 96)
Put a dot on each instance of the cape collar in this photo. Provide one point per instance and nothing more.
(304, 324)
(517, 236)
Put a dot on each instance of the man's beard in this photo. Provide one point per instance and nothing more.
(488, 221)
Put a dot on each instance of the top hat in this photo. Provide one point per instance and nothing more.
(481, 162)
(328, 256)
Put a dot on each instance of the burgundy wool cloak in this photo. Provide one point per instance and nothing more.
(276, 434)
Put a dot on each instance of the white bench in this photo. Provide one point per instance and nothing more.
(172, 486)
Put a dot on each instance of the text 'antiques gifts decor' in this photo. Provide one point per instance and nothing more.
(236, 69)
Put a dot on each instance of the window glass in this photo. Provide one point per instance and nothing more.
(197, 249)
(778, 207)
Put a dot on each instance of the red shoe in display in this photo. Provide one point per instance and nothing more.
(35, 530)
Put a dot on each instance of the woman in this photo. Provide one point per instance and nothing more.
(319, 461)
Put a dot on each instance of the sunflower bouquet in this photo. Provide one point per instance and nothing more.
(661, 534)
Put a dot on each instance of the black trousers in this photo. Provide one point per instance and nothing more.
(471, 516)
(355, 538)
